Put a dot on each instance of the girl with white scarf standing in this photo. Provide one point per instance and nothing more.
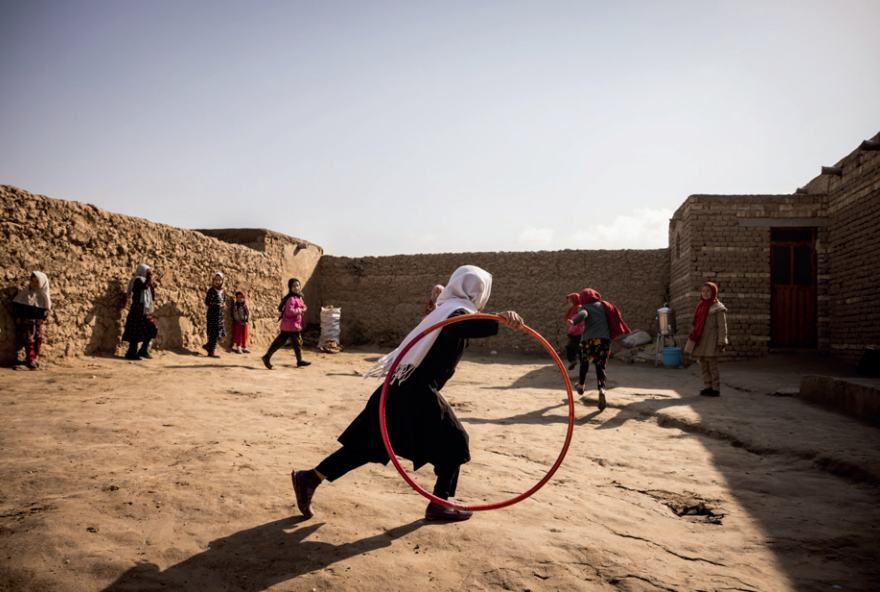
(30, 307)
(139, 325)
(421, 424)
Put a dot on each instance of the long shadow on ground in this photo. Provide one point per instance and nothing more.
(254, 559)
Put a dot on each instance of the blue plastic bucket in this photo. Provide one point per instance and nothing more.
(672, 357)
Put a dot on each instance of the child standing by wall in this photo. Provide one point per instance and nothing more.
(215, 300)
(708, 338)
(30, 307)
(292, 309)
(572, 301)
(139, 325)
(241, 314)
(431, 304)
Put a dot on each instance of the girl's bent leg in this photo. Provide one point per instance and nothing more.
(582, 376)
(444, 488)
(342, 461)
(601, 382)
(572, 347)
(601, 377)
(333, 467)
(447, 480)
(296, 340)
(277, 344)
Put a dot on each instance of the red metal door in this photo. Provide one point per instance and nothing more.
(793, 287)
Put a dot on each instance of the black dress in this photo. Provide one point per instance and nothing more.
(421, 424)
(213, 300)
(139, 326)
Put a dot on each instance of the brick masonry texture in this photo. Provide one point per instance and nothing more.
(708, 242)
(383, 298)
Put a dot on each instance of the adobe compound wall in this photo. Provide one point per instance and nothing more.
(298, 259)
(383, 298)
(90, 255)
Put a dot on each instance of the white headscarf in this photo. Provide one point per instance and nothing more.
(468, 289)
(39, 297)
(147, 295)
(140, 274)
(222, 279)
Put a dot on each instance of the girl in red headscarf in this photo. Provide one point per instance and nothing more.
(572, 301)
(602, 325)
(708, 337)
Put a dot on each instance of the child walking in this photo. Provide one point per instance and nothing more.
(421, 423)
(602, 325)
(30, 307)
(708, 338)
(139, 325)
(215, 300)
(572, 301)
(241, 314)
(292, 309)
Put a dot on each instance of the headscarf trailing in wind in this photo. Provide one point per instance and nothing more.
(469, 289)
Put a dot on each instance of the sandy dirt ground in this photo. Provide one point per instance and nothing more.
(174, 474)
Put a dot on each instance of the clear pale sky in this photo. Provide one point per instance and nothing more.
(381, 128)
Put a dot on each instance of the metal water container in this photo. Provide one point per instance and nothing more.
(666, 318)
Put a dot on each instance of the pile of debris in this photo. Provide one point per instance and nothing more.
(331, 346)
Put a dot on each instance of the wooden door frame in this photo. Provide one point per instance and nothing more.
(813, 279)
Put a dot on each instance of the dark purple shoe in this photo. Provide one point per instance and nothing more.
(304, 487)
(438, 512)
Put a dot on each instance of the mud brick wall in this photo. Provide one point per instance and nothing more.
(853, 311)
(383, 298)
(710, 244)
(90, 255)
(726, 239)
(298, 258)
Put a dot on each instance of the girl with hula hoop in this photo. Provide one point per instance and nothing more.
(421, 424)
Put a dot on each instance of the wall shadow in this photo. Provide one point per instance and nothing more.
(107, 312)
(254, 559)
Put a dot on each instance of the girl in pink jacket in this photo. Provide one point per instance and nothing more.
(292, 309)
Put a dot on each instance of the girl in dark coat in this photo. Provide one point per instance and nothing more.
(421, 424)
(215, 300)
(139, 326)
(30, 307)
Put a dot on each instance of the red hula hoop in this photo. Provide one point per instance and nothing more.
(456, 505)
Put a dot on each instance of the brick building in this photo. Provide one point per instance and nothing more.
(795, 270)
